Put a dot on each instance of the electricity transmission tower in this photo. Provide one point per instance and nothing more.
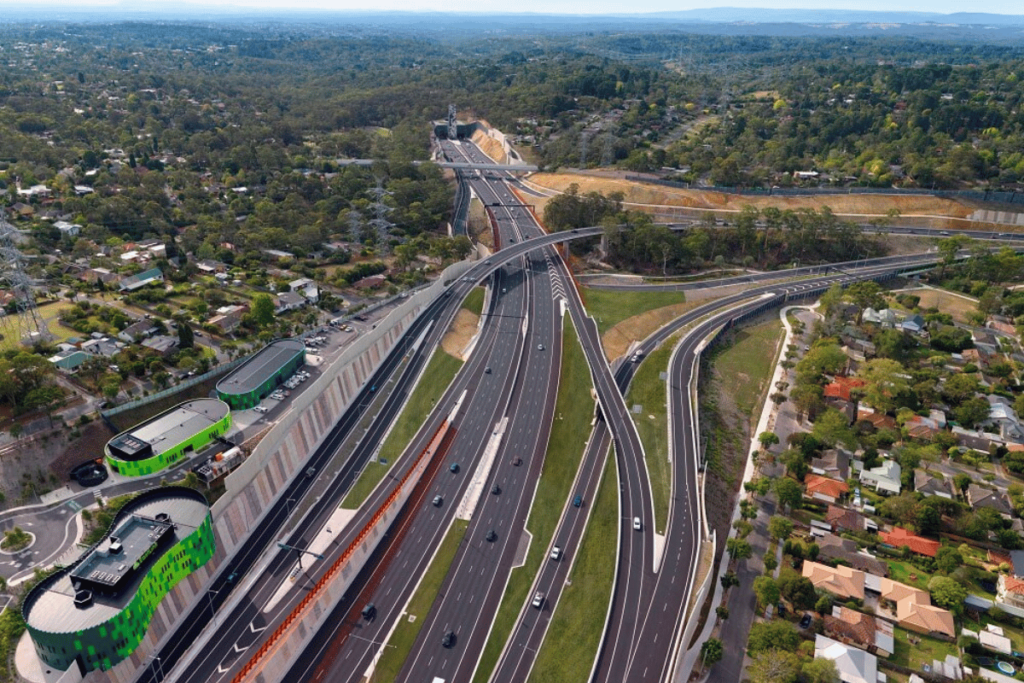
(24, 324)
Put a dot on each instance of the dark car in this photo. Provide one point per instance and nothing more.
(805, 621)
(491, 536)
(577, 501)
(369, 611)
(449, 639)
(517, 461)
(495, 489)
(454, 467)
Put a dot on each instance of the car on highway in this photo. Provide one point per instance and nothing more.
(577, 501)
(538, 599)
(369, 611)
(495, 489)
(487, 370)
(491, 536)
(437, 501)
(517, 461)
(448, 639)
(637, 524)
(454, 467)
(540, 347)
(556, 553)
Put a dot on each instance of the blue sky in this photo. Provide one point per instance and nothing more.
(547, 6)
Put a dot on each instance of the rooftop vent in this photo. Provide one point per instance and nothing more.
(83, 599)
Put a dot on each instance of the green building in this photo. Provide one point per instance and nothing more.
(167, 438)
(257, 377)
(97, 610)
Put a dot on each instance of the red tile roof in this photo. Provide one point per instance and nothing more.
(1013, 585)
(900, 537)
(826, 486)
(841, 387)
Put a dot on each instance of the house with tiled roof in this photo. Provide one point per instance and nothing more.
(817, 487)
(863, 630)
(899, 537)
(833, 463)
(913, 609)
(844, 582)
(845, 550)
(878, 419)
(133, 282)
(842, 388)
(848, 520)
(928, 485)
(982, 497)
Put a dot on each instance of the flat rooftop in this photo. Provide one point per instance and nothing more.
(261, 367)
(135, 537)
(167, 430)
(54, 609)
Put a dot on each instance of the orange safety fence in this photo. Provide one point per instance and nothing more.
(342, 560)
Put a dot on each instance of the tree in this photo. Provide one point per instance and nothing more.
(820, 670)
(779, 528)
(947, 593)
(738, 548)
(766, 590)
(962, 481)
(947, 559)
(901, 508)
(799, 590)
(831, 428)
(886, 379)
(774, 666)
(263, 310)
(711, 651)
(722, 612)
(729, 579)
(767, 439)
(186, 338)
(789, 492)
(972, 412)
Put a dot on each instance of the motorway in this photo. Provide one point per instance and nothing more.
(637, 633)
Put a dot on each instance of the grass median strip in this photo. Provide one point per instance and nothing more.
(577, 625)
(573, 412)
(432, 385)
(648, 391)
(408, 630)
(745, 366)
(609, 306)
(474, 302)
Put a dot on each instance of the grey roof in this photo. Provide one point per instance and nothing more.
(258, 369)
(53, 609)
(170, 428)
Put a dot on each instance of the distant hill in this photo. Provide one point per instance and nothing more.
(832, 16)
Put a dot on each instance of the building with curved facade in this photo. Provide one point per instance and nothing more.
(167, 438)
(97, 610)
(257, 377)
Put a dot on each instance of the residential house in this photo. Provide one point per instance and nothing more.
(93, 275)
(289, 301)
(848, 520)
(981, 497)
(885, 478)
(991, 637)
(68, 229)
(863, 630)
(817, 487)
(899, 537)
(139, 280)
(278, 253)
(1010, 586)
(69, 361)
(914, 325)
(834, 463)
(843, 388)
(370, 282)
(844, 582)
(928, 485)
(21, 210)
(845, 550)
(879, 420)
(913, 607)
(162, 344)
(228, 318)
(210, 267)
(884, 318)
(853, 664)
(306, 288)
(1002, 416)
(976, 440)
(137, 331)
(102, 346)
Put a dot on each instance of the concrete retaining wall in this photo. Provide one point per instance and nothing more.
(1001, 217)
(255, 485)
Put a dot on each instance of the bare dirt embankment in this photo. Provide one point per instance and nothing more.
(461, 331)
(859, 206)
(489, 145)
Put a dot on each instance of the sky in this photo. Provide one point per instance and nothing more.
(540, 6)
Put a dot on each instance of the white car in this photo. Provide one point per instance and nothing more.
(261, 409)
(556, 553)
(637, 524)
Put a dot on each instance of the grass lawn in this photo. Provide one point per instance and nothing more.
(611, 306)
(648, 390)
(902, 571)
(1015, 635)
(408, 629)
(575, 631)
(474, 302)
(435, 380)
(921, 651)
(50, 314)
(746, 366)
(565, 450)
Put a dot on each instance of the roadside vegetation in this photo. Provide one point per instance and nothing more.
(649, 392)
(474, 302)
(564, 453)
(408, 629)
(440, 372)
(610, 307)
(578, 622)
